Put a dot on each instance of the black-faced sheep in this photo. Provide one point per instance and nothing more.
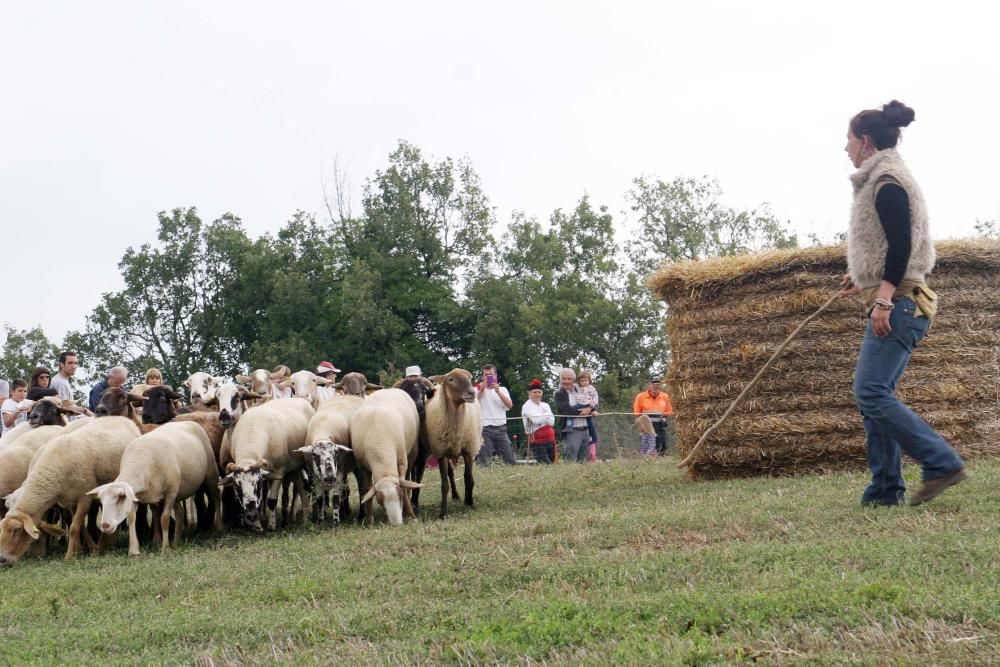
(384, 437)
(62, 472)
(163, 467)
(454, 428)
(421, 390)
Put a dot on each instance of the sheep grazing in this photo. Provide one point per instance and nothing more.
(61, 473)
(262, 444)
(14, 460)
(305, 384)
(328, 438)
(420, 390)
(384, 437)
(356, 384)
(454, 428)
(202, 387)
(164, 467)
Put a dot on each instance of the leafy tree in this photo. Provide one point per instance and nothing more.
(24, 350)
(686, 219)
(168, 313)
(987, 229)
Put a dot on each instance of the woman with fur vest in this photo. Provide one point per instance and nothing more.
(889, 254)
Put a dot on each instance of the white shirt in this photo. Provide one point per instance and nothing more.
(11, 406)
(62, 385)
(536, 415)
(494, 412)
(326, 392)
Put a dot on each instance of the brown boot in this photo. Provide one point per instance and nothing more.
(933, 487)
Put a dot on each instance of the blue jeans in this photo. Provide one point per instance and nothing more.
(891, 427)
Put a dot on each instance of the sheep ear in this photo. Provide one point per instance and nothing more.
(29, 527)
(322, 381)
(372, 386)
(218, 379)
(243, 378)
(231, 468)
(342, 448)
(436, 379)
(427, 383)
(399, 383)
(308, 449)
(337, 385)
(285, 384)
(368, 496)
(407, 484)
(211, 402)
(54, 531)
(96, 491)
(228, 479)
(130, 493)
(187, 383)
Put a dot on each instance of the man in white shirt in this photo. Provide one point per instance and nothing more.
(67, 368)
(494, 402)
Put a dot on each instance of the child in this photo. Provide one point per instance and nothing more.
(647, 436)
(15, 409)
(586, 393)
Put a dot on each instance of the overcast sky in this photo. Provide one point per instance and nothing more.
(113, 111)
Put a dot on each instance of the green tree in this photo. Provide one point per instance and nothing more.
(686, 219)
(23, 350)
(987, 229)
(169, 313)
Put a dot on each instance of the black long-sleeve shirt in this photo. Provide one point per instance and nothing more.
(893, 207)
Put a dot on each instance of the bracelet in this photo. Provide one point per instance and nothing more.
(883, 304)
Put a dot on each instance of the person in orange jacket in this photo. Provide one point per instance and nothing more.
(655, 404)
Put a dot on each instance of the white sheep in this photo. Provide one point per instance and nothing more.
(61, 473)
(329, 439)
(384, 437)
(15, 459)
(165, 466)
(454, 428)
(263, 442)
(305, 384)
(202, 387)
(265, 382)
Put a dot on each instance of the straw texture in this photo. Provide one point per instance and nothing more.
(728, 315)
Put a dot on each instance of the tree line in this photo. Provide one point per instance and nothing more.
(422, 274)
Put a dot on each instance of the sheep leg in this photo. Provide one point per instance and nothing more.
(272, 503)
(443, 467)
(216, 497)
(133, 537)
(451, 478)
(180, 510)
(165, 507)
(469, 483)
(82, 506)
(202, 519)
(300, 490)
(416, 473)
(157, 518)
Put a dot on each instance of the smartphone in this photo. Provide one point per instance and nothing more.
(491, 380)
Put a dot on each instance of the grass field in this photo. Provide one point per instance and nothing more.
(621, 562)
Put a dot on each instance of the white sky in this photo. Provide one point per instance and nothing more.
(113, 111)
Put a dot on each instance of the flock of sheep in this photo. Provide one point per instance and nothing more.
(234, 451)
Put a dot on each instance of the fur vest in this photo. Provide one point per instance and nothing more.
(866, 244)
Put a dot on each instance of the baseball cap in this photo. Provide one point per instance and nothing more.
(412, 370)
(326, 367)
(655, 378)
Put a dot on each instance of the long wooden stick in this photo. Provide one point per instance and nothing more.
(746, 390)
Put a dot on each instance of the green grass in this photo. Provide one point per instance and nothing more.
(621, 562)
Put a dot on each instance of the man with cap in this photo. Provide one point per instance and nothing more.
(328, 372)
(655, 404)
(413, 372)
